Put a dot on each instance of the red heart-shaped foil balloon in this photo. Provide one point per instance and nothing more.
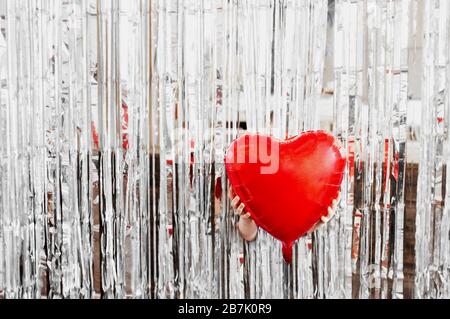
(286, 186)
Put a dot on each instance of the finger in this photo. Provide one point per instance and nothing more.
(334, 204)
(235, 202)
(338, 198)
(246, 216)
(240, 209)
(326, 219)
(331, 213)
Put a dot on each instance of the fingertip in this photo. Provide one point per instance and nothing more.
(240, 209)
(235, 201)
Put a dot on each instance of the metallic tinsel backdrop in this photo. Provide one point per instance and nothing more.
(114, 120)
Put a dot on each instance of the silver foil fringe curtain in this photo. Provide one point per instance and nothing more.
(114, 120)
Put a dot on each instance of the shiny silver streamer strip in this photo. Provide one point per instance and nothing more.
(371, 65)
(115, 117)
(432, 226)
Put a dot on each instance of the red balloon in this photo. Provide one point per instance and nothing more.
(286, 186)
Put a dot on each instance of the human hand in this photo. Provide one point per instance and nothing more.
(247, 227)
(325, 219)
